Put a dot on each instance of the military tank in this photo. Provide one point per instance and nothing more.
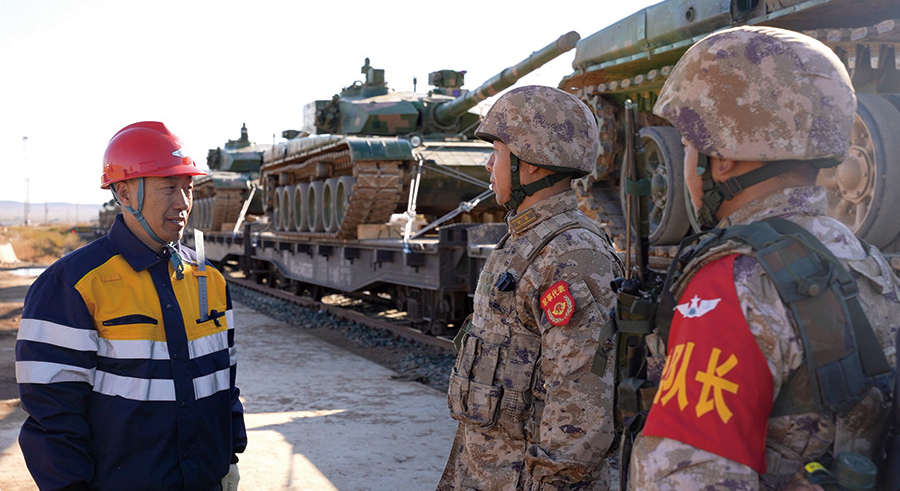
(632, 58)
(370, 152)
(220, 196)
(107, 216)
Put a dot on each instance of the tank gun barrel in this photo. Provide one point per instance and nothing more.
(446, 113)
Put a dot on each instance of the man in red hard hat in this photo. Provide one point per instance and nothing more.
(127, 375)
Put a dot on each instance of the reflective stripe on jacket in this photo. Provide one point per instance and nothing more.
(124, 388)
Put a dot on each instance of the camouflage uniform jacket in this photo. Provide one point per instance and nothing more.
(667, 464)
(532, 414)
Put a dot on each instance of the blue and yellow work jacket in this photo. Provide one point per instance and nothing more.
(124, 387)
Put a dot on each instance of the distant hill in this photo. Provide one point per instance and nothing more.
(13, 212)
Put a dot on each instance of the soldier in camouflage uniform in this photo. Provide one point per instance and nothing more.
(532, 414)
(760, 109)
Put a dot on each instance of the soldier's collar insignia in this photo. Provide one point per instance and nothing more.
(558, 303)
(522, 221)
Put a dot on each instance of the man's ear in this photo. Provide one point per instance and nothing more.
(124, 193)
(722, 169)
(528, 168)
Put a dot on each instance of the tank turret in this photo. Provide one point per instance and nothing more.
(371, 108)
(233, 174)
(356, 160)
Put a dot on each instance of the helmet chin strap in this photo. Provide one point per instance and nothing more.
(518, 192)
(174, 257)
(716, 193)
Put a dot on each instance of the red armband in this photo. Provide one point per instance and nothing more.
(716, 389)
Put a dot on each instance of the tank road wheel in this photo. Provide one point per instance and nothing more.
(329, 192)
(288, 215)
(863, 190)
(192, 216)
(205, 214)
(197, 211)
(342, 197)
(301, 222)
(314, 206)
(665, 165)
(287, 193)
(276, 208)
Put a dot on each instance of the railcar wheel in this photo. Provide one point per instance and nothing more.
(436, 327)
(316, 292)
(863, 190)
(665, 165)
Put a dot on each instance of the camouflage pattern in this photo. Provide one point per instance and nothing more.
(795, 89)
(544, 126)
(665, 464)
(532, 414)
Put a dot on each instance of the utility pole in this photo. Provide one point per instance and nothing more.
(25, 167)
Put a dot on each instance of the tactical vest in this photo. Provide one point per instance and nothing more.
(497, 375)
(843, 356)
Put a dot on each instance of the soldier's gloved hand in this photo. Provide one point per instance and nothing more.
(230, 481)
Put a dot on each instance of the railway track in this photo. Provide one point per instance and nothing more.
(362, 312)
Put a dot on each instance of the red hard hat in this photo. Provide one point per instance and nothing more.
(145, 149)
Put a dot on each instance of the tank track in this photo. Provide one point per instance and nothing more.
(379, 187)
(214, 207)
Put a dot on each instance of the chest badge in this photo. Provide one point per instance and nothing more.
(558, 303)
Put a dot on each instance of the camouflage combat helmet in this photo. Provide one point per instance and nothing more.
(761, 93)
(546, 127)
(764, 94)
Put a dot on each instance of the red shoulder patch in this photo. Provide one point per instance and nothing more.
(716, 388)
(558, 303)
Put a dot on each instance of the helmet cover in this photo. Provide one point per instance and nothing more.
(754, 93)
(546, 127)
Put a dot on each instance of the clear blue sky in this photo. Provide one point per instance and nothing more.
(76, 71)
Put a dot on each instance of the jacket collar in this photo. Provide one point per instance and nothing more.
(519, 223)
(800, 200)
(138, 255)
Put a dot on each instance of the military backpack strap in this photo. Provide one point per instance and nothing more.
(846, 357)
(690, 247)
(538, 237)
(542, 234)
(843, 356)
(821, 297)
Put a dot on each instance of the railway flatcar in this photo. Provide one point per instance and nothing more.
(369, 154)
